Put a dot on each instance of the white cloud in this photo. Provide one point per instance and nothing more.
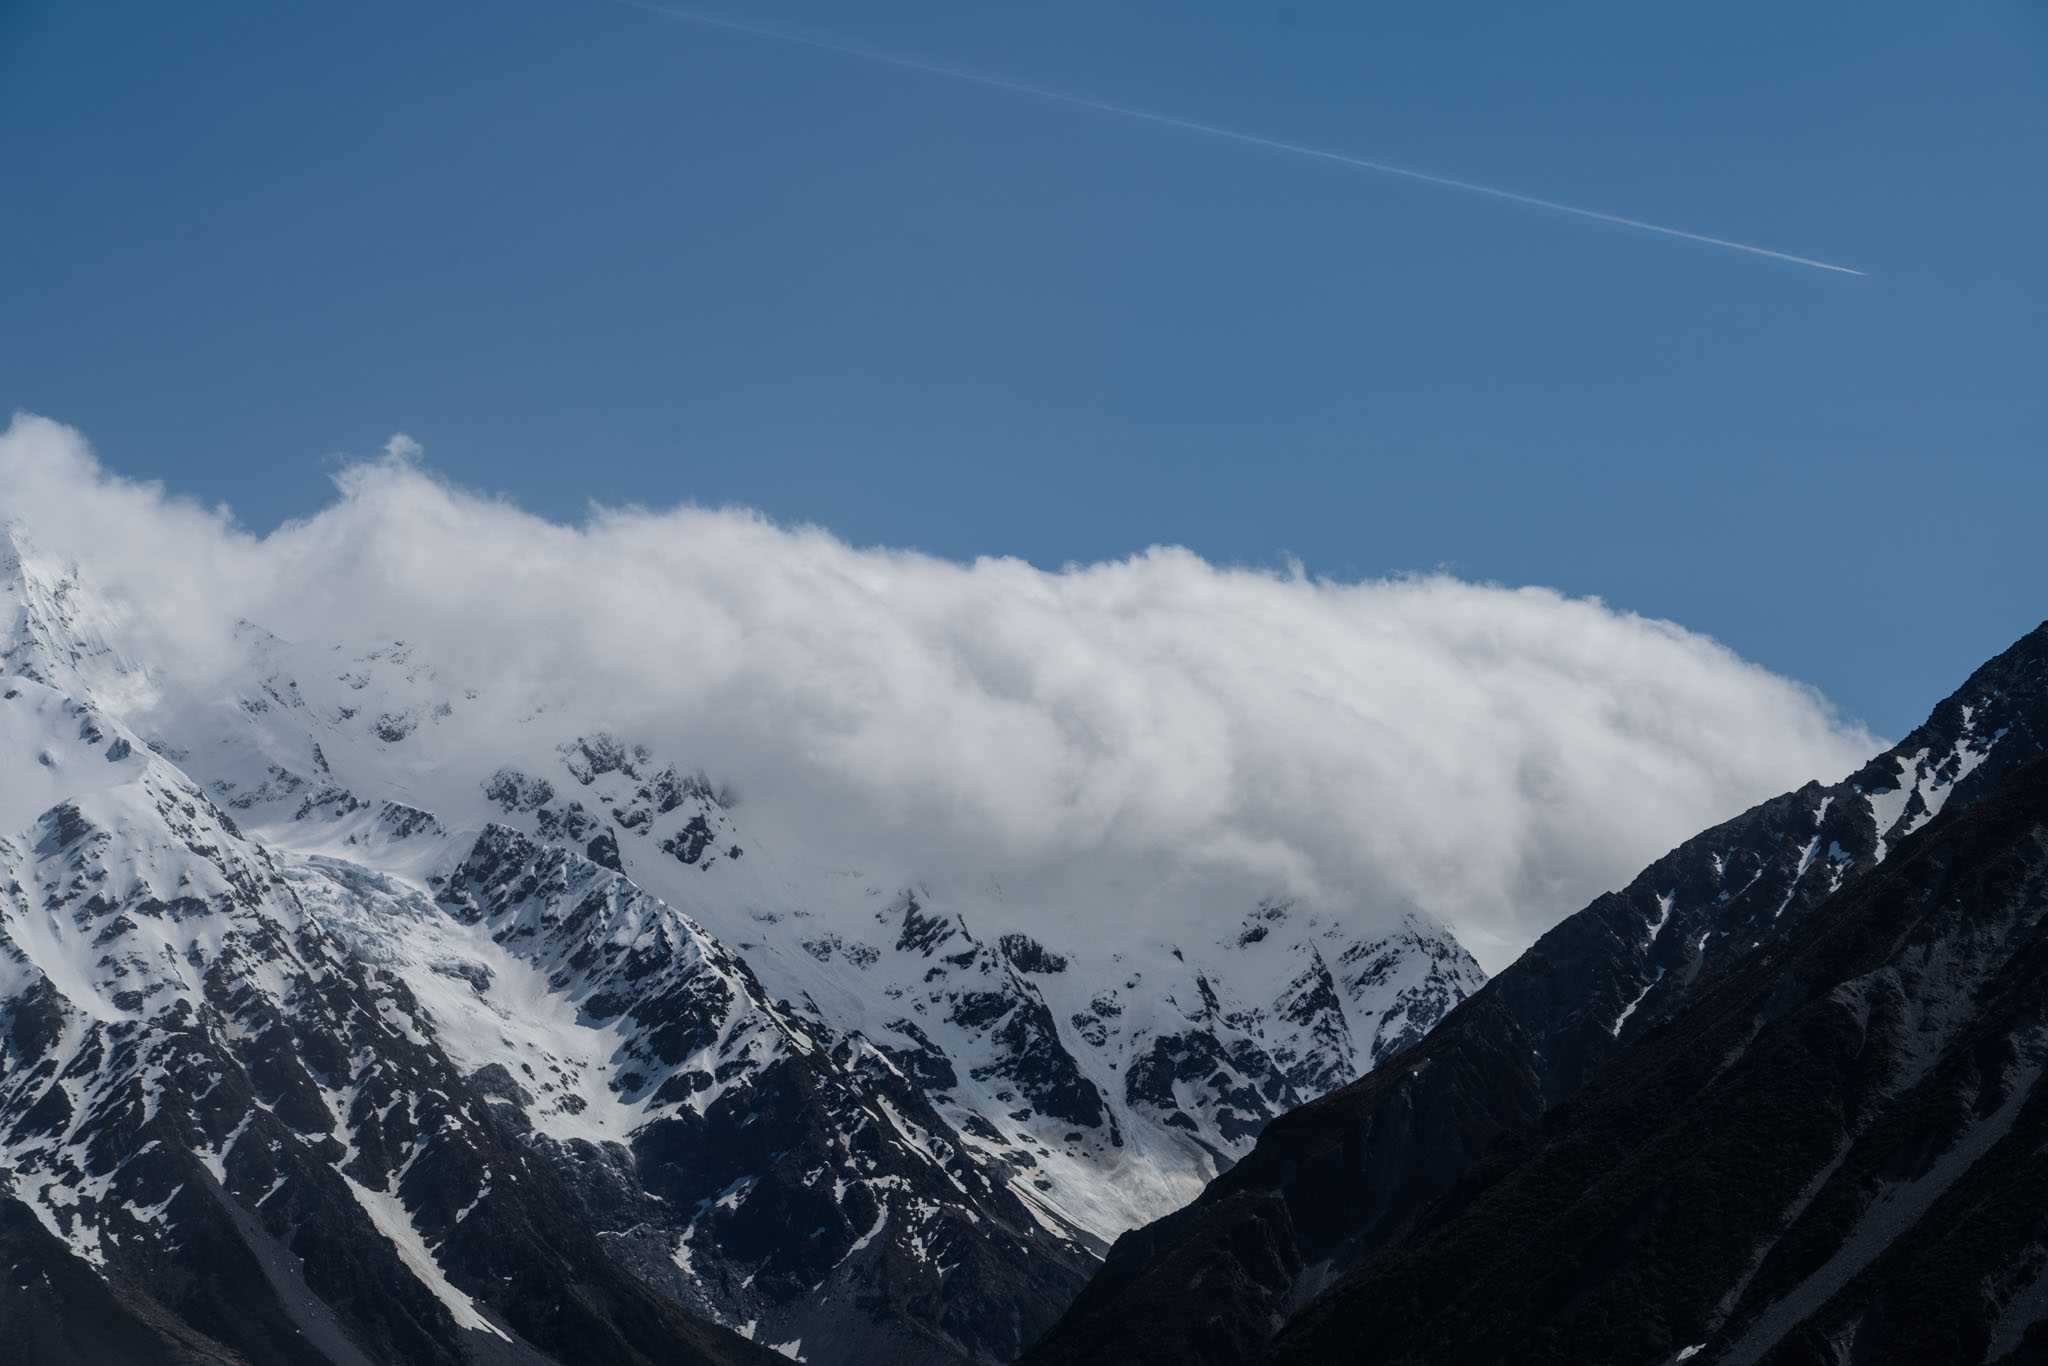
(1150, 737)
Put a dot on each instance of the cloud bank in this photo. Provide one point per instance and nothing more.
(1142, 739)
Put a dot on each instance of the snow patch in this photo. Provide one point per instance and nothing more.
(391, 1219)
(1630, 1008)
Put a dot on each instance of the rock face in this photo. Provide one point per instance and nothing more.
(1345, 1186)
(320, 1041)
(1835, 1152)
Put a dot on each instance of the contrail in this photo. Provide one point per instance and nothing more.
(822, 43)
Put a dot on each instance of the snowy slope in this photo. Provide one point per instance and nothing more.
(702, 1036)
(202, 1094)
(1132, 1070)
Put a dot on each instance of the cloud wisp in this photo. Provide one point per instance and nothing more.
(881, 56)
(1147, 744)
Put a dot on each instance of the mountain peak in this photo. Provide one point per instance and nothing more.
(56, 630)
(16, 549)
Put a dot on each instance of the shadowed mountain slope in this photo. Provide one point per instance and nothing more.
(1335, 1182)
(1837, 1153)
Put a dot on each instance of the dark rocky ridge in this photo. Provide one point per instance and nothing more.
(1834, 1153)
(56, 1310)
(1336, 1181)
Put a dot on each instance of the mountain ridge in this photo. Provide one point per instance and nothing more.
(620, 988)
(1858, 1111)
(1341, 1177)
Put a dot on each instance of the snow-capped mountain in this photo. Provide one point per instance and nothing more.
(571, 985)
(1346, 1181)
(1127, 1075)
(246, 1131)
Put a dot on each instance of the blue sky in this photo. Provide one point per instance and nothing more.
(580, 252)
